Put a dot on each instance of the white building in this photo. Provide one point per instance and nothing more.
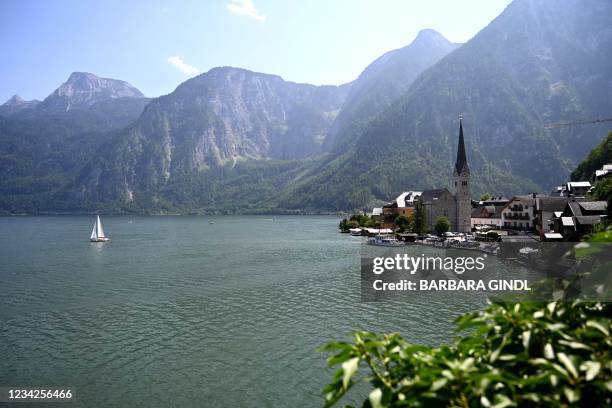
(519, 213)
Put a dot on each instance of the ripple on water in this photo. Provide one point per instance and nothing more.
(178, 312)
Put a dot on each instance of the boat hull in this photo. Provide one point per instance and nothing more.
(99, 239)
(386, 245)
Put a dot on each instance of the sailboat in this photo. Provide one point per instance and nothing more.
(97, 234)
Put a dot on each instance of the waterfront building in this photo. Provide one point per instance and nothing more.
(547, 209)
(520, 212)
(487, 215)
(439, 202)
(402, 205)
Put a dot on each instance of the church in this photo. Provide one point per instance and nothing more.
(456, 207)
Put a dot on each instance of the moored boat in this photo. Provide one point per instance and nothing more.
(356, 231)
(384, 240)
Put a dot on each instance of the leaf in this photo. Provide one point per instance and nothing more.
(596, 325)
(564, 359)
(526, 337)
(549, 353)
(571, 394)
(574, 344)
(436, 385)
(375, 398)
(349, 368)
(592, 369)
(502, 401)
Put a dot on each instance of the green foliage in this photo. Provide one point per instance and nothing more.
(404, 223)
(343, 225)
(520, 354)
(363, 220)
(600, 155)
(603, 190)
(485, 197)
(352, 224)
(442, 225)
(420, 217)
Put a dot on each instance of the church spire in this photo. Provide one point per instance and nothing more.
(461, 164)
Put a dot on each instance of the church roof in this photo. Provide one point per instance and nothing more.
(461, 164)
(429, 196)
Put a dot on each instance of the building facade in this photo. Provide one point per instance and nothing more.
(520, 213)
(439, 203)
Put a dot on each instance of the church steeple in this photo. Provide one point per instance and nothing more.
(463, 198)
(461, 164)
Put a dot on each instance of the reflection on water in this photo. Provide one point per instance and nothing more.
(179, 311)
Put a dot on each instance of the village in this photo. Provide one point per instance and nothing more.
(441, 217)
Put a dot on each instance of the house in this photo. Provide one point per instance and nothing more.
(402, 205)
(578, 188)
(520, 212)
(604, 172)
(559, 191)
(579, 217)
(487, 215)
(547, 209)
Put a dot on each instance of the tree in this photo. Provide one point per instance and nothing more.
(403, 223)
(352, 224)
(485, 197)
(363, 220)
(600, 155)
(603, 192)
(343, 224)
(420, 218)
(442, 225)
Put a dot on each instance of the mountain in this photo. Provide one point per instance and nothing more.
(385, 80)
(232, 140)
(83, 90)
(205, 137)
(539, 63)
(16, 104)
(44, 145)
(206, 131)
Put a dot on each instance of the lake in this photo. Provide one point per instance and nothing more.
(179, 311)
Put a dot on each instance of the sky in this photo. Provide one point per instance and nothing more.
(155, 45)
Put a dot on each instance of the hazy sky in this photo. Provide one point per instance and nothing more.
(155, 45)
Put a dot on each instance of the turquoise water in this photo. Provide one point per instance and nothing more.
(176, 311)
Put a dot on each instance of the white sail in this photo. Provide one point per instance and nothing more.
(93, 232)
(99, 228)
